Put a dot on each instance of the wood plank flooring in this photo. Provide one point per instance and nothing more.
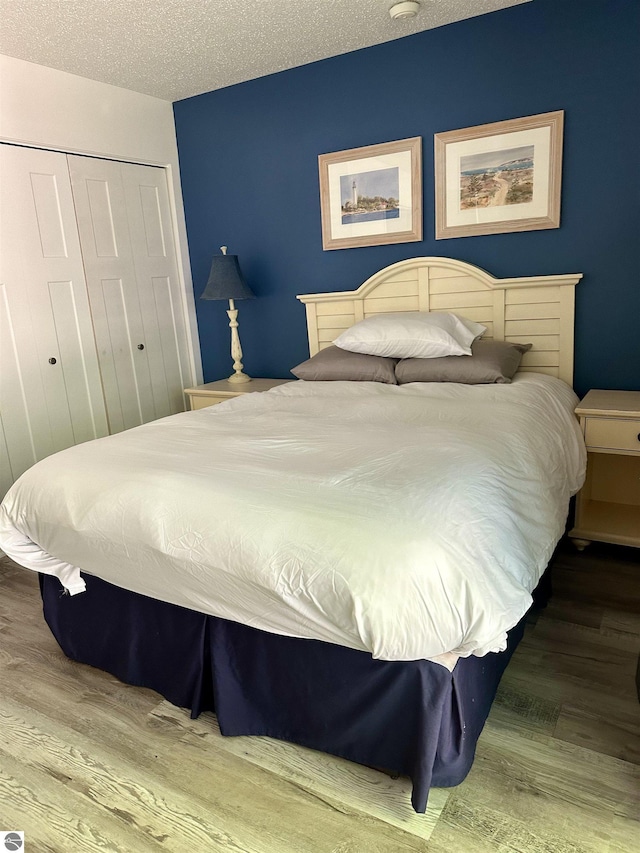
(90, 764)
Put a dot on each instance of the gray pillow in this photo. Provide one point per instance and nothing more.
(489, 362)
(337, 364)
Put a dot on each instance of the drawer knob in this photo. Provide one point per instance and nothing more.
(52, 361)
(140, 346)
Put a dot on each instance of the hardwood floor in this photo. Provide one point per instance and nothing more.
(90, 764)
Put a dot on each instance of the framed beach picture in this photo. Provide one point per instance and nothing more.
(499, 177)
(372, 196)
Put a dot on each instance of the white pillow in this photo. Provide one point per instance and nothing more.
(412, 334)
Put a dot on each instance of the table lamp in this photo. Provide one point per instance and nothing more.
(227, 282)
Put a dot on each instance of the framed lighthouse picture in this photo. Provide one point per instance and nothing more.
(372, 196)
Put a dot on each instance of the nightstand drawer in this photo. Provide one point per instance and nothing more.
(613, 434)
(204, 402)
(216, 392)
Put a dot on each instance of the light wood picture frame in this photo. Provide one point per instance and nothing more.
(371, 196)
(500, 177)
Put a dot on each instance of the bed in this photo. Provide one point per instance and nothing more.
(342, 565)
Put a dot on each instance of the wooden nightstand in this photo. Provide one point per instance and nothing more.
(217, 392)
(608, 506)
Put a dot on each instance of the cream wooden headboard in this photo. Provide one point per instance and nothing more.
(536, 309)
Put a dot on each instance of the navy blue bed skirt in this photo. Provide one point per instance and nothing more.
(411, 718)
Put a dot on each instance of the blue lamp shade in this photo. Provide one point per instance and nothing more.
(226, 280)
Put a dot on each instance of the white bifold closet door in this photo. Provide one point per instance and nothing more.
(50, 389)
(92, 330)
(132, 278)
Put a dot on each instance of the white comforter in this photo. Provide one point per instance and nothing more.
(411, 521)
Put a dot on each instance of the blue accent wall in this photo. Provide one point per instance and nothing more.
(248, 159)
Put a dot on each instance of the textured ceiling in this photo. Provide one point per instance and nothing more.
(173, 49)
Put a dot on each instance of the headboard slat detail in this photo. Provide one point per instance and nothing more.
(536, 309)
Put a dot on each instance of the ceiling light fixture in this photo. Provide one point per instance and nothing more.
(404, 9)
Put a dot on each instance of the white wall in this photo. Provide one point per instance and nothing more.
(52, 109)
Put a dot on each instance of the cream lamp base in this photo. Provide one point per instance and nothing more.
(236, 349)
(239, 378)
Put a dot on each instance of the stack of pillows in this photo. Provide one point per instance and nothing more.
(415, 347)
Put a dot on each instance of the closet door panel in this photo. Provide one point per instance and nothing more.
(151, 230)
(26, 421)
(113, 290)
(6, 472)
(48, 352)
(71, 343)
(125, 371)
(169, 354)
(26, 424)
